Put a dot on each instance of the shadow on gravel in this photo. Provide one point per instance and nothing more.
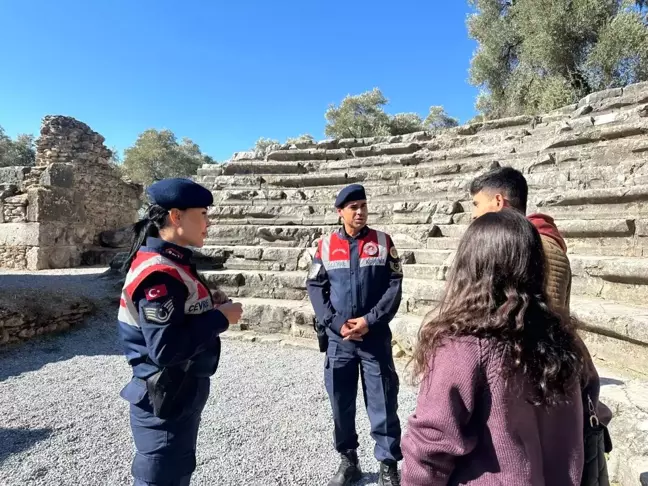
(96, 336)
(610, 381)
(18, 440)
(368, 478)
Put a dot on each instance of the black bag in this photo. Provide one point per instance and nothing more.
(597, 443)
(168, 389)
(322, 338)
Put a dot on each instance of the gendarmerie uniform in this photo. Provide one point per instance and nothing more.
(352, 277)
(170, 331)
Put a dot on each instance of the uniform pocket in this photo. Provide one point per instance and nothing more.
(134, 392)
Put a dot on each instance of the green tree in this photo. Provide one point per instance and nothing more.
(438, 119)
(157, 155)
(537, 55)
(306, 137)
(358, 116)
(363, 115)
(262, 145)
(20, 152)
(403, 123)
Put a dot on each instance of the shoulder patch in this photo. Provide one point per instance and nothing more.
(156, 292)
(396, 267)
(160, 314)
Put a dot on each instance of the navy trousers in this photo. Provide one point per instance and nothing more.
(371, 361)
(165, 448)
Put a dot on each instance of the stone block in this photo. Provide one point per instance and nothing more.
(59, 175)
(637, 89)
(261, 167)
(387, 149)
(448, 207)
(13, 175)
(596, 228)
(44, 257)
(600, 96)
(508, 122)
(19, 234)
(308, 154)
(120, 238)
(54, 204)
(642, 227)
(582, 111)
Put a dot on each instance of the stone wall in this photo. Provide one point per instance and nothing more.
(53, 213)
(21, 324)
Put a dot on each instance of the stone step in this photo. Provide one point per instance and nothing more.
(402, 191)
(631, 246)
(592, 204)
(586, 228)
(267, 284)
(404, 236)
(449, 176)
(622, 321)
(257, 258)
(245, 167)
(317, 214)
(622, 279)
(628, 324)
(413, 236)
(628, 173)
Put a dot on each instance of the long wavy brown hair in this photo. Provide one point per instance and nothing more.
(496, 291)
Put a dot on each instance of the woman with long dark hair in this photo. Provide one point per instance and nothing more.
(169, 325)
(500, 400)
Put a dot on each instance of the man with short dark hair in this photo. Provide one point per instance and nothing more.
(507, 187)
(355, 287)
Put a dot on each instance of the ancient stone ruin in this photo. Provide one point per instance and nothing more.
(52, 215)
(586, 165)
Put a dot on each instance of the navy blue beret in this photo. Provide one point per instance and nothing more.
(179, 194)
(354, 192)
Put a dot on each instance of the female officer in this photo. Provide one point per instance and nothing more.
(169, 328)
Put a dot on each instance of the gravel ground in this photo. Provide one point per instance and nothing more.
(267, 421)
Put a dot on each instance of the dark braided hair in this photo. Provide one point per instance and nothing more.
(150, 225)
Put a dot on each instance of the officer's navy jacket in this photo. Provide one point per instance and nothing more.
(356, 277)
(166, 314)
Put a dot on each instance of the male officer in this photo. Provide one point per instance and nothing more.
(355, 287)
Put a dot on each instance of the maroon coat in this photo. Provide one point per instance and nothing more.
(472, 426)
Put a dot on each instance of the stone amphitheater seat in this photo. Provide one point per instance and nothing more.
(586, 165)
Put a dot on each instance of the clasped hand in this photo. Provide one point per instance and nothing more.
(354, 329)
(232, 311)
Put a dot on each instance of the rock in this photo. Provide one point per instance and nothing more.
(397, 351)
(564, 127)
(583, 110)
(600, 96)
(120, 238)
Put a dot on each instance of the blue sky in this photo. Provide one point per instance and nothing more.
(226, 73)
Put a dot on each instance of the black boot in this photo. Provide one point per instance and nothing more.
(389, 474)
(349, 470)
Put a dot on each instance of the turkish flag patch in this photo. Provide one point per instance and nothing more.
(155, 292)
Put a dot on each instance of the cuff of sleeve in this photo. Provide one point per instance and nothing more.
(221, 323)
(370, 318)
(337, 322)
